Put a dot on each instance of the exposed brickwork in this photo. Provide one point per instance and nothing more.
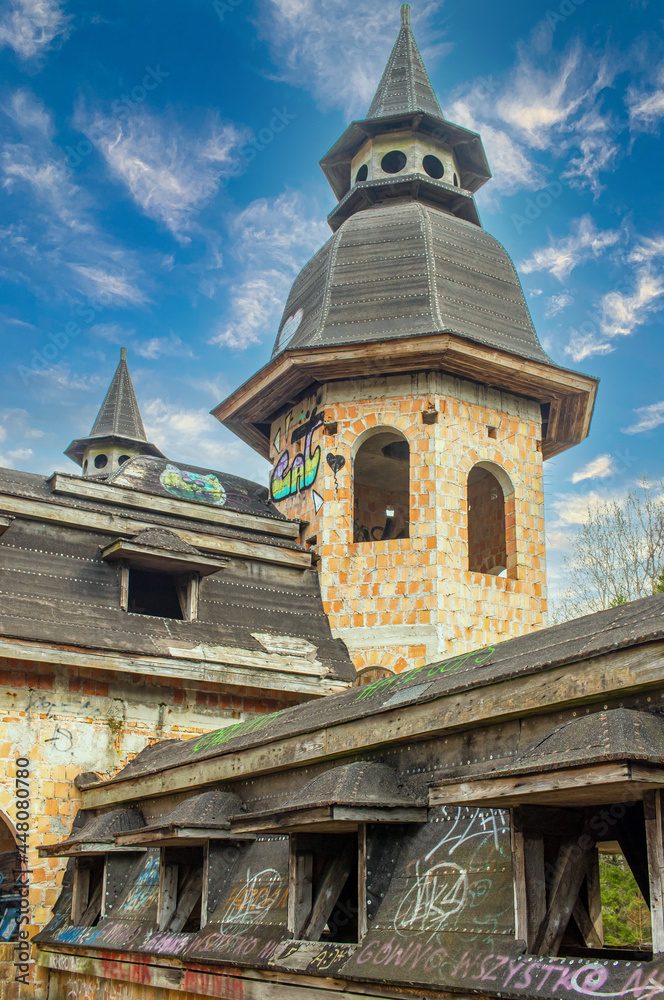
(401, 602)
(66, 721)
(487, 551)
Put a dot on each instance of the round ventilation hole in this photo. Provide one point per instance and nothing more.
(433, 166)
(362, 174)
(394, 162)
(101, 461)
(123, 458)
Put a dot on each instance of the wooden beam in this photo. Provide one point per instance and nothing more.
(333, 880)
(81, 892)
(48, 512)
(652, 808)
(300, 887)
(66, 485)
(168, 891)
(565, 685)
(598, 783)
(594, 887)
(362, 925)
(244, 668)
(188, 895)
(570, 871)
(520, 876)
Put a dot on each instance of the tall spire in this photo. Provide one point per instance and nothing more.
(119, 413)
(405, 86)
(118, 433)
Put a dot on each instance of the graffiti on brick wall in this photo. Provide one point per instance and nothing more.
(297, 474)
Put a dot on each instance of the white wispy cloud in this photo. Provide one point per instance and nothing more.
(585, 242)
(338, 48)
(649, 417)
(191, 435)
(110, 287)
(645, 105)
(649, 248)
(623, 312)
(59, 237)
(586, 345)
(598, 152)
(598, 468)
(169, 171)
(158, 347)
(572, 508)
(30, 27)
(273, 238)
(16, 431)
(557, 303)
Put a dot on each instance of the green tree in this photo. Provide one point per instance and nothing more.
(625, 915)
(618, 554)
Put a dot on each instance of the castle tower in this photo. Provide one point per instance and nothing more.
(408, 405)
(117, 434)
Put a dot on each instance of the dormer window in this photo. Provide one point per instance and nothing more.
(160, 574)
(88, 896)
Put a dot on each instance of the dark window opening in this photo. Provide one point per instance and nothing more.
(362, 174)
(154, 594)
(101, 461)
(10, 887)
(381, 483)
(433, 166)
(180, 906)
(85, 466)
(393, 162)
(88, 896)
(456, 181)
(487, 533)
(581, 896)
(324, 888)
(123, 458)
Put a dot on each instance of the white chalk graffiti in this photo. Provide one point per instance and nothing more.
(250, 901)
(437, 894)
(479, 823)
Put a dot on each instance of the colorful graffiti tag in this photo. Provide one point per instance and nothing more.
(193, 486)
(290, 477)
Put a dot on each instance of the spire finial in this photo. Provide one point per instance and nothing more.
(405, 13)
(123, 354)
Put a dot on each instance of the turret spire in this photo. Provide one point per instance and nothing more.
(405, 86)
(118, 433)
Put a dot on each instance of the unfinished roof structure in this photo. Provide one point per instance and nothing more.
(429, 834)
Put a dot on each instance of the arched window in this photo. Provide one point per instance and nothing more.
(487, 542)
(10, 885)
(381, 483)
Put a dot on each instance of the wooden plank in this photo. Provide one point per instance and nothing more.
(652, 808)
(594, 887)
(300, 887)
(566, 786)
(188, 896)
(332, 882)
(206, 883)
(113, 524)
(4, 523)
(362, 925)
(586, 926)
(231, 672)
(81, 892)
(519, 867)
(565, 686)
(535, 885)
(168, 891)
(571, 867)
(220, 983)
(93, 909)
(121, 495)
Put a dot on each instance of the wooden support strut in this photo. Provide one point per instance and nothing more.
(652, 808)
(570, 871)
(334, 878)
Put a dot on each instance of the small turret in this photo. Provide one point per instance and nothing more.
(117, 434)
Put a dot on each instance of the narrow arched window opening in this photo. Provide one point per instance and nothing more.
(381, 483)
(487, 542)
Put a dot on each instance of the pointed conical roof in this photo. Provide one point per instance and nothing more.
(119, 419)
(405, 86)
(119, 414)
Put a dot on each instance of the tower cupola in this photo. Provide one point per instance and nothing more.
(117, 433)
(405, 147)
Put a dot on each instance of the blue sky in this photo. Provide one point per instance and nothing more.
(160, 190)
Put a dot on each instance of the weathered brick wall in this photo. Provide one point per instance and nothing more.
(486, 523)
(66, 721)
(404, 601)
